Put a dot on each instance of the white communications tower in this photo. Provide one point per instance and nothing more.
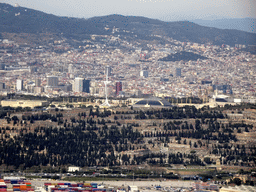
(106, 104)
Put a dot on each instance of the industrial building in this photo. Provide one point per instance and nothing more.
(23, 103)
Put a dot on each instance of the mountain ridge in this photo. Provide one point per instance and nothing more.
(242, 24)
(24, 20)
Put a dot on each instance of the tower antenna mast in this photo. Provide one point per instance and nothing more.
(106, 103)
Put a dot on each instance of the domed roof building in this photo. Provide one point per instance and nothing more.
(153, 102)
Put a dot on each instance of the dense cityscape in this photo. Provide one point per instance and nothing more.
(125, 112)
(41, 71)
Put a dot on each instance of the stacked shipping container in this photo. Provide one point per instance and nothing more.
(15, 185)
(25, 186)
(71, 187)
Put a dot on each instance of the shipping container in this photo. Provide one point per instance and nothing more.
(85, 191)
(74, 185)
(94, 185)
(30, 189)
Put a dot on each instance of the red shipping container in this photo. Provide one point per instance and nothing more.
(85, 191)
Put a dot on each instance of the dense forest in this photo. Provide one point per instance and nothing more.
(183, 55)
(97, 138)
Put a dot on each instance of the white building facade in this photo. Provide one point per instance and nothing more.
(19, 85)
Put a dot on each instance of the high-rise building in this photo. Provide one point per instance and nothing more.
(108, 71)
(178, 72)
(118, 87)
(86, 86)
(38, 90)
(144, 73)
(2, 86)
(19, 85)
(2, 66)
(78, 84)
(67, 88)
(33, 69)
(52, 81)
(30, 88)
(38, 82)
(70, 68)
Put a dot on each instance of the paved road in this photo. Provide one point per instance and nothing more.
(172, 183)
(168, 183)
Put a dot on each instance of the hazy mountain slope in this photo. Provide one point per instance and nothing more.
(243, 24)
(23, 20)
(181, 30)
